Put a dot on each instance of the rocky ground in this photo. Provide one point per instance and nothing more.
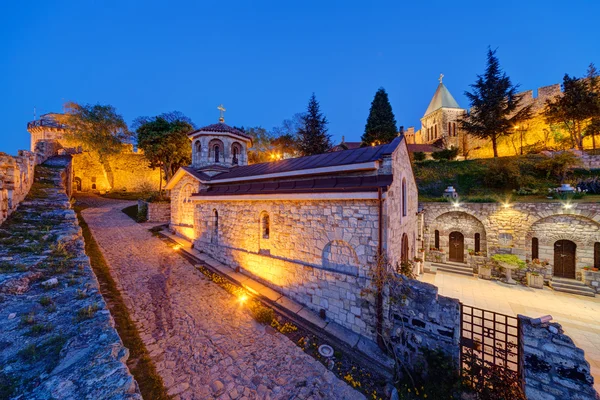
(57, 339)
(203, 341)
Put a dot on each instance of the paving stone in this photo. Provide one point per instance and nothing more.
(197, 329)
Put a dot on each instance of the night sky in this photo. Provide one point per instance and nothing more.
(263, 61)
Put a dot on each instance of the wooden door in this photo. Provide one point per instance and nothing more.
(456, 252)
(564, 259)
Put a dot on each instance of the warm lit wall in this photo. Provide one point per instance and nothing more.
(510, 229)
(182, 209)
(396, 223)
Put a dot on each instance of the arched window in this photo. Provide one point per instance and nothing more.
(597, 255)
(217, 152)
(215, 226)
(437, 239)
(404, 206)
(535, 248)
(435, 131)
(198, 147)
(404, 249)
(477, 243)
(265, 225)
(236, 149)
(449, 128)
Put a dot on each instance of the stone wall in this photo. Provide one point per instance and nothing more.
(591, 279)
(16, 175)
(319, 252)
(156, 212)
(57, 337)
(420, 318)
(553, 367)
(510, 229)
(396, 222)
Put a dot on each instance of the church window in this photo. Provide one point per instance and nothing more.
(437, 240)
(404, 249)
(435, 131)
(404, 205)
(265, 223)
(449, 128)
(236, 149)
(535, 248)
(597, 255)
(215, 233)
(477, 242)
(217, 151)
(198, 147)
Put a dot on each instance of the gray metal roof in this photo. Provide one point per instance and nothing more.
(441, 98)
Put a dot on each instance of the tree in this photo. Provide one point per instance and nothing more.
(164, 141)
(97, 128)
(381, 123)
(593, 128)
(261, 149)
(285, 139)
(312, 134)
(576, 108)
(496, 106)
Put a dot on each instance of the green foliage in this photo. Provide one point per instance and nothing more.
(312, 134)
(502, 173)
(496, 106)
(164, 140)
(509, 259)
(381, 123)
(97, 128)
(261, 314)
(86, 312)
(577, 108)
(142, 213)
(262, 149)
(559, 164)
(419, 156)
(445, 154)
(8, 386)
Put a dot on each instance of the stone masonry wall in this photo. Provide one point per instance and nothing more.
(57, 338)
(317, 252)
(16, 175)
(511, 229)
(156, 212)
(553, 367)
(398, 224)
(423, 319)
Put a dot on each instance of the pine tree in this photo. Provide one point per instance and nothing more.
(496, 106)
(381, 123)
(312, 134)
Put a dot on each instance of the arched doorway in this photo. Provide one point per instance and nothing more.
(456, 251)
(77, 184)
(564, 259)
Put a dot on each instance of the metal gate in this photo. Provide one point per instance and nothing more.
(489, 347)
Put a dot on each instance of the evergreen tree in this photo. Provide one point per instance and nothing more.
(496, 106)
(312, 134)
(381, 123)
(575, 109)
(593, 80)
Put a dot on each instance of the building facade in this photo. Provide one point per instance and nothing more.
(309, 227)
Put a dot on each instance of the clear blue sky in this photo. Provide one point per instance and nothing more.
(262, 60)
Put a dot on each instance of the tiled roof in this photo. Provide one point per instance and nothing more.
(347, 157)
(220, 127)
(200, 175)
(441, 98)
(346, 146)
(344, 184)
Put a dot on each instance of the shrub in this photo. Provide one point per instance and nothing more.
(559, 164)
(262, 314)
(419, 156)
(509, 259)
(502, 173)
(142, 214)
(446, 154)
(589, 185)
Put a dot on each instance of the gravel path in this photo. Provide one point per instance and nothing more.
(204, 344)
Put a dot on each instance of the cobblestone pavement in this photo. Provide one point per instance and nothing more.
(204, 343)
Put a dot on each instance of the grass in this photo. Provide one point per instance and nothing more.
(49, 350)
(139, 362)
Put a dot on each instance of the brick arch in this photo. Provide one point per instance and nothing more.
(481, 218)
(339, 255)
(467, 224)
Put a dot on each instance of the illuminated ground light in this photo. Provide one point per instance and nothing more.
(242, 298)
(567, 206)
(176, 247)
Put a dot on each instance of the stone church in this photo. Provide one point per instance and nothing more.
(308, 227)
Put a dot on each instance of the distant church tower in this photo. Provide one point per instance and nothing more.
(218, 147)
(439, 125)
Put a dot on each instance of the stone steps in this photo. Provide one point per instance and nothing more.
(571, 286)
(455, 268)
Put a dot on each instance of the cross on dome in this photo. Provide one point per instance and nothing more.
(222, 110)
(441, 77)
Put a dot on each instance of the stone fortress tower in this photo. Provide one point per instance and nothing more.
(439, 125)
(218, 147)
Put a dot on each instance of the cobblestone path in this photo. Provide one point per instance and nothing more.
(204, 344)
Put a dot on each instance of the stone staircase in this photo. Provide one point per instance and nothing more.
(571, 286)
(453, 267)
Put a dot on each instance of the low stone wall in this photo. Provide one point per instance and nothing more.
(590, 161)
(553, 367)
(592, 279)
(16, 177)
(159, 212)
(57, 337)
(422, 319)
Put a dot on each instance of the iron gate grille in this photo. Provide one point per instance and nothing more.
(489, 346)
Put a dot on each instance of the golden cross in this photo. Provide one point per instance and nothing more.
(222, 110)
(441, 77)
